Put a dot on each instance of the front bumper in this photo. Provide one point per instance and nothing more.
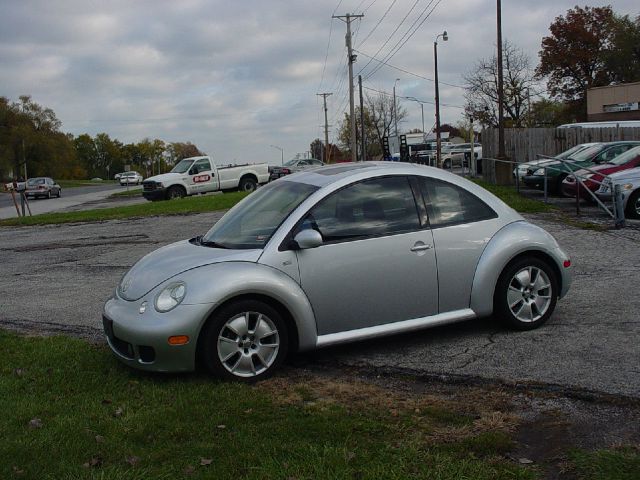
(141, 340)
(536, 181)
(157, 194)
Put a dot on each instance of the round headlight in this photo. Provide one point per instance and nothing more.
(171, 296)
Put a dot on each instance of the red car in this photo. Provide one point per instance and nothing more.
(592, 180)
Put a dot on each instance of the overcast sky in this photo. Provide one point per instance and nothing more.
(235, 77)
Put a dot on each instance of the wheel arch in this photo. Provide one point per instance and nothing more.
(287, 317)
(513, 242)
(176, 185)
(250, 175)
(217, 285)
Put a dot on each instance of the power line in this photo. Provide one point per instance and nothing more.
(411, 98)
(377, 24)
(401, 43)
(326, 56)
(407, 71)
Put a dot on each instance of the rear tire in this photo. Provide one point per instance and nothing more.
(247, 184)
(633, 205)
(244, 341)
(59, 193)
(526, 294)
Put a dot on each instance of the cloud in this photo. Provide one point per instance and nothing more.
(236, 77)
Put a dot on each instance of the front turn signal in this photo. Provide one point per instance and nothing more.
(178, 340)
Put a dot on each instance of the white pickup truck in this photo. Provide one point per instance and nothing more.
(200, 175)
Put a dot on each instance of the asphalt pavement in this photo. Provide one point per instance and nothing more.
(70, 197)
(56, 279)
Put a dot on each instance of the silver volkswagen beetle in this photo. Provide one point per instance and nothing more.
(338, 254)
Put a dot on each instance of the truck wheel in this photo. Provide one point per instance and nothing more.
(176, 191)
(247, 184)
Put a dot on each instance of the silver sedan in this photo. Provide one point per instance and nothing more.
(338, 254)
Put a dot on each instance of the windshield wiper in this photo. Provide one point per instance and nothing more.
(210, 244)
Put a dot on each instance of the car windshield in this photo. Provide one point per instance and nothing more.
(251, 222)
(290, 163)
(587, 153)
(625, 157)
(182, 166)
(35, 181)
(572, 151)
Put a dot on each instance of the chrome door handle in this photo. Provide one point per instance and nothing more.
(420, 248)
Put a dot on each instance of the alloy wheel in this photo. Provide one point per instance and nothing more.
(529, 294)
(248, 344)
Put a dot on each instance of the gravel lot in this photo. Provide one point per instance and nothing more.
(56, 279)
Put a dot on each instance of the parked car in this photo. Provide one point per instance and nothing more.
(459, 154)
(624, 161)
(129, 178)
(201, 175)
(629, 181)
(558, 171)
(292, 166)
(331, 255)
(42, 187)
(117, 176)
(521, 169)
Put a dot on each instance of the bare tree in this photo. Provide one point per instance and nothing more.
(379, 119)
(482, 87)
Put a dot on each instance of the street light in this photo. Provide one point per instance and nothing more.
(435, 59)
(421, 110)
(395, 108)
(281, 152)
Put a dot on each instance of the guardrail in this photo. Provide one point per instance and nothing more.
(617, 203)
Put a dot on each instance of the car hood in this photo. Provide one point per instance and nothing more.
(166, 177)
(537, 163)
(171, 260)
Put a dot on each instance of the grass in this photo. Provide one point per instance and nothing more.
(133, 192)
(195, 204)
(82, 183)
(72, 411)
(511, 197)
(618, 464)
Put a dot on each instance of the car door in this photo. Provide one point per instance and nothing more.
(462, 225)
(200, 176)
(376, 264)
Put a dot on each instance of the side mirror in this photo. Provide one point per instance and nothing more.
(308, 238)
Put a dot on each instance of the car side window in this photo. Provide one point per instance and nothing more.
(448, 204)
(377, 207)
(202, 165)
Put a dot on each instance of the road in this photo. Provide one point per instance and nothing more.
(56, 279)
(70, 197)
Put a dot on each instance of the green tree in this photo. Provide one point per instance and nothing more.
(30, 134)
(622, 60)
(573, 57)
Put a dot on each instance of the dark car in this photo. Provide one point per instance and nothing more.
(295, 165)
(42, 187)
(556, 172)
(592, 180)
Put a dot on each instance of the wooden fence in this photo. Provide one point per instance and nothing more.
(524, 144)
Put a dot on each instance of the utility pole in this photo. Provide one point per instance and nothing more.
(435, 60)
(351, 58)
(363, 141)
(501, 153)
(326, 127)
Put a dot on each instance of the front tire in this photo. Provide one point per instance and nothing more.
(632, 209)
(245, 340)
(176, 191)
(248, 184)
(526, 294)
